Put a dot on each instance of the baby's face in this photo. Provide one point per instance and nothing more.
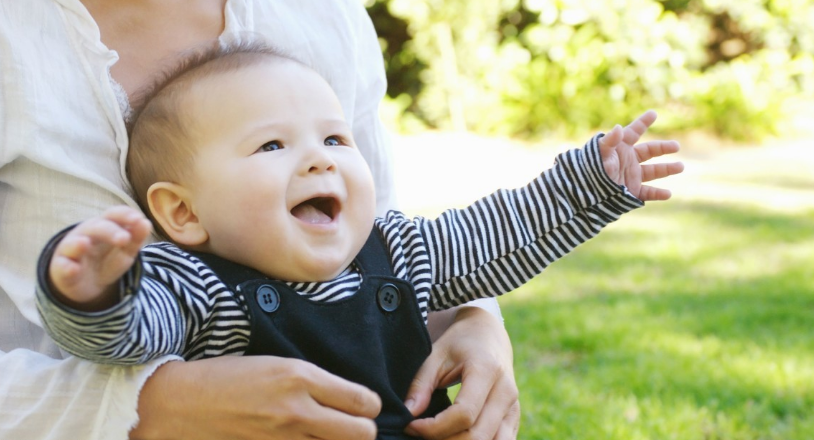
(278, 182)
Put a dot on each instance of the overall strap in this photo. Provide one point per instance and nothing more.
(374, 258)
(232, 274)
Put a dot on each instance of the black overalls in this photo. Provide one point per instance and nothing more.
(376, 337)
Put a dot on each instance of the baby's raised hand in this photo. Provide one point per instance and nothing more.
(622, 158)
(89, 261)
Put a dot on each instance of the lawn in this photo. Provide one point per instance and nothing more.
(685, 321)
(691, 319)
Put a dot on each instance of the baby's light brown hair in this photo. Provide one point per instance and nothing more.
(161, 134)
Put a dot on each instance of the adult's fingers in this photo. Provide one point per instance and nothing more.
(330, 424)
(439, 369)
(477, 349)
(338, 408)
(480, 405)
(511, 424)
(341, 394)
(486, 405)
(253, 398)
(500, 414)
(476, 386)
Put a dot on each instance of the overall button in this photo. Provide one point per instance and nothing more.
(268, 298)
(388, 297)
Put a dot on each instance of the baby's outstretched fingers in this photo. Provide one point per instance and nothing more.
(660, 170)
(123, 214)
(91, 258)
(65, 270)
(609, 142)
(649, 193)
(639, 126)
(648, 150)
(73, 246)
(134, 222)
(139, 231)
(102, 231)
(66, 263)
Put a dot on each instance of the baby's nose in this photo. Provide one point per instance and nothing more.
(320, 161)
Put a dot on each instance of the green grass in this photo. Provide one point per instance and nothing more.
(684, 320)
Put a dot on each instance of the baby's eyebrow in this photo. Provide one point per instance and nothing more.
(336, 120)
(263, 128)
(336, 123)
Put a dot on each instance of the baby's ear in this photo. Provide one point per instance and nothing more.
(171, 206)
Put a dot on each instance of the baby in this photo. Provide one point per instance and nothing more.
(245, 164)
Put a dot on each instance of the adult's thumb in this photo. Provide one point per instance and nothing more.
(423, 385)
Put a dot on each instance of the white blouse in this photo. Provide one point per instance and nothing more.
(62, 151)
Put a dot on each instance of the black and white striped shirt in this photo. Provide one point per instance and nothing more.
(174, 304)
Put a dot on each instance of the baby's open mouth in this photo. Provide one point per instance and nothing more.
(317, 210)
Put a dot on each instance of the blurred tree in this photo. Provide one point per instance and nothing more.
(401, 63)
(532, 67)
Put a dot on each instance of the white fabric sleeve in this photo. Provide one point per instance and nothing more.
(375, 144)
(4, 156)
(48, 399)
(368, 131)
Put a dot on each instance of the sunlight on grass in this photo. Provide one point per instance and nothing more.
(696, 329)
(757, 262)
(766, 370)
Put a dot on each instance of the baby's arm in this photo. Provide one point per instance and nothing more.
(89, 261)
(503, 240)
(165, 302)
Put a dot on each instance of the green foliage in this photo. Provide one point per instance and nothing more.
(533, 67)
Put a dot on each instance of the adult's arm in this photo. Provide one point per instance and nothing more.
(244, 398)
(42, 396)
(49, 399)
(253, 398)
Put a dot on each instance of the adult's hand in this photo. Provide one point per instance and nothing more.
(476, 350)
(253, 397)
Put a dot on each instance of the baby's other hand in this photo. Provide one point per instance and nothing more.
(622, 158)
(89, 261)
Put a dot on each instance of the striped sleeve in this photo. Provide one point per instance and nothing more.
(408, 255)
(171, 304)
(503, 240)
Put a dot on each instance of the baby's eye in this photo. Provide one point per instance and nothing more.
(271, 146)
(334, 141)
